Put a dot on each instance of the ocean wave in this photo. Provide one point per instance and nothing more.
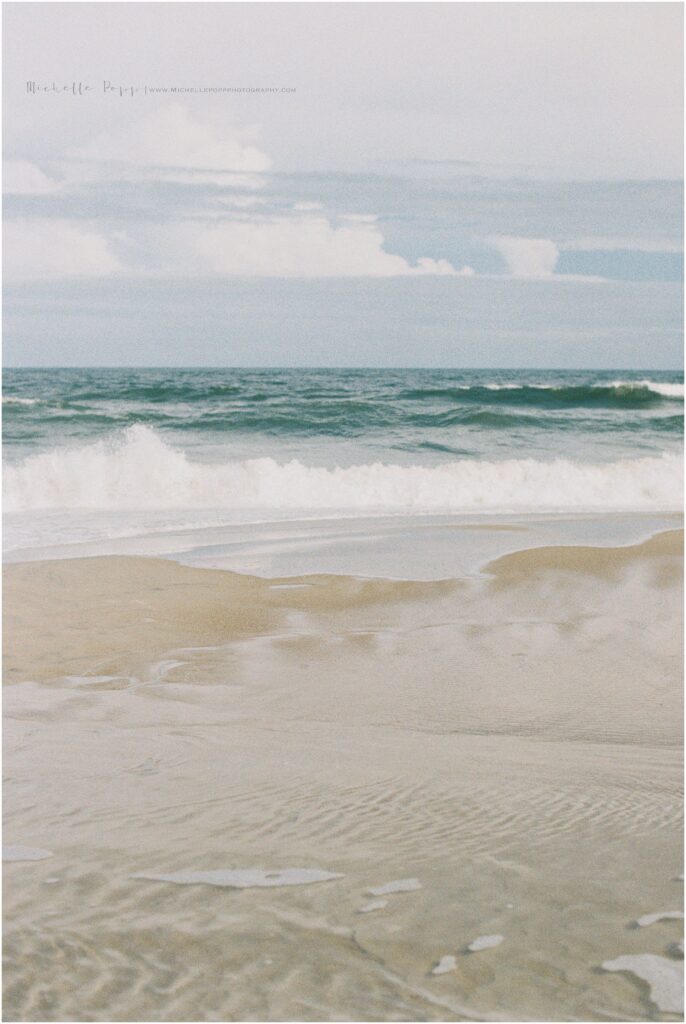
(141, 471)
(613, 394)
(15, 400)
(659, 388)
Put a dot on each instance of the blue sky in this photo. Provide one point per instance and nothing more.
(449, 184)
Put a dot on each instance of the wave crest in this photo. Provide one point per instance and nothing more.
(141, 471)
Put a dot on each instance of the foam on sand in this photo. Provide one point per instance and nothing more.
(664, 915)
(444, 965)
(400, 885)
(249, 878)
(374, 905)
(24, 853)
(665, 978)
(485, 942)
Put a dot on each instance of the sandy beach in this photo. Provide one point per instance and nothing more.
(507, 747)
(342, 512)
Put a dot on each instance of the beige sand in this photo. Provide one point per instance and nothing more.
(514, 743)
(113, 615)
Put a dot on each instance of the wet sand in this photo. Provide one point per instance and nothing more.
(512, 743)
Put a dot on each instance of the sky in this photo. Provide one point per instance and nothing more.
(467, 184)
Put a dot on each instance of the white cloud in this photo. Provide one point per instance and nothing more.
(527, 257)
(241, 202)
(22, 178)
(308, 246)
(303, 247)
(171, 144)
(603, 244)
(43, 248)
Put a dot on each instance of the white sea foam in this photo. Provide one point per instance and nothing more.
(445, 964)
(661, 915)
(24, 853)
(245, 879)
(399, 885)
(667, 390)
(14, 400)
(665, 977)
(485, 942)
(140, 471)
(368, 908)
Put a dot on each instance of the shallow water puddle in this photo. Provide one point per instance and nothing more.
(245, 879)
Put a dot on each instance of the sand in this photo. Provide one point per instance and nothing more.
(513, 743)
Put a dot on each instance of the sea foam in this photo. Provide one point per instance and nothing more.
(139, 470)
(665, 978)
(661, 915)
(444, 965)
(485, 942)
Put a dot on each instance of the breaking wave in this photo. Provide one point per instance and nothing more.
(139, 470)
(619, 394)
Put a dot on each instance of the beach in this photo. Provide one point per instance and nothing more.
(342, 512)
(209, 774)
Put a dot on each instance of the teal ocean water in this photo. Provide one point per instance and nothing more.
(137, 449)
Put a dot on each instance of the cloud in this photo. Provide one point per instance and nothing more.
(170, 144)
(603, 244)
(45, 248)
(307, 247)
(527, 257)
(241, 202)
(22, 178)
(227, 236)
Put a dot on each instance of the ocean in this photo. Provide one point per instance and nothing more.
(93, 455)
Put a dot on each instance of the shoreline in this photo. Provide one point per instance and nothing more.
(418, 547)
(189, 606)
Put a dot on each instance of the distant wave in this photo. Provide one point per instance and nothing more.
(140, 470)
(615, 394)
(667, 390)
(224, 409)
